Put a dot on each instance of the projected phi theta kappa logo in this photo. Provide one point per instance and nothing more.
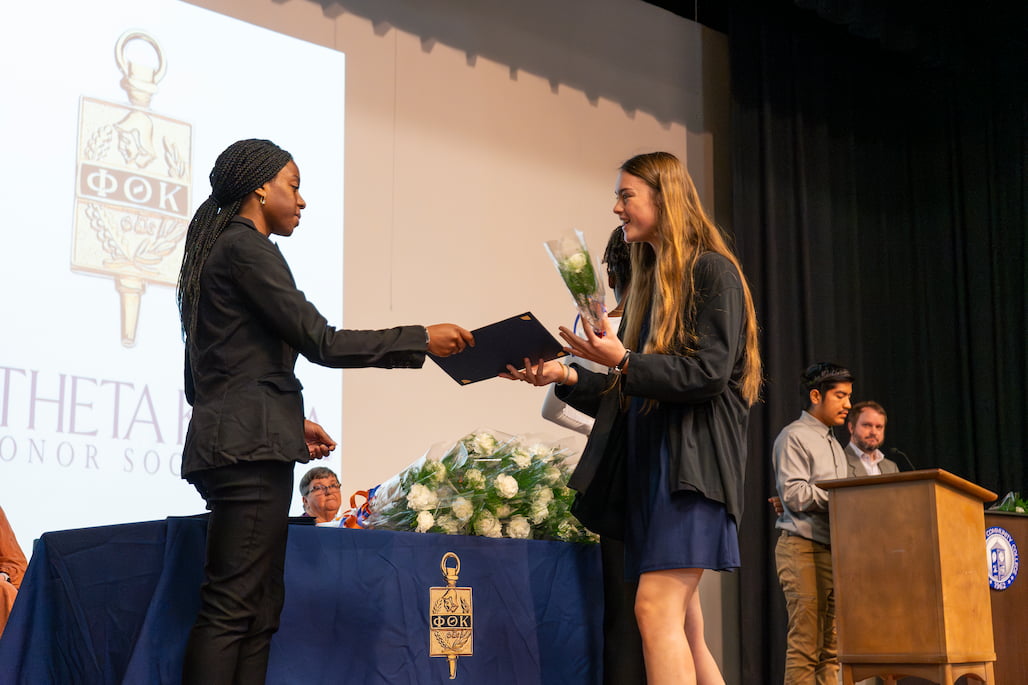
(132, 187)
(1003, 558)
(450, 619)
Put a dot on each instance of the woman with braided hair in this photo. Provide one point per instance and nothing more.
(244, 323)
(669, 440)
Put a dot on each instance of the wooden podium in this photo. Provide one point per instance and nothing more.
(911, 578)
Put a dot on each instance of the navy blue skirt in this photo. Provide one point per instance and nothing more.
(666, 530)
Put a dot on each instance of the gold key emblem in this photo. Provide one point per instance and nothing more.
(450, 622)
(132, 204)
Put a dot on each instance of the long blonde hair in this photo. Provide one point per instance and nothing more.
(665, 279)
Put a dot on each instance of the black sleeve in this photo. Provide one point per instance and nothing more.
(262, 274)
(187, 381)
(720, 320)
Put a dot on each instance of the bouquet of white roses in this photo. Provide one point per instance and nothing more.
(571, 257)
(486, 484)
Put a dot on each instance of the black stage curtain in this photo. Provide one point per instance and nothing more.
(879, 209)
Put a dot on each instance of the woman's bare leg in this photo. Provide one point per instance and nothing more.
(661, 608)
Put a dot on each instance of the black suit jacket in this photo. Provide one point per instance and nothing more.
(252, 322)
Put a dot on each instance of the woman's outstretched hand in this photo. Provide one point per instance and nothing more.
(445, 339)
(606, 350)
(543, 373)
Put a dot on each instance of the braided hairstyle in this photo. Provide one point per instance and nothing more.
(243, 167)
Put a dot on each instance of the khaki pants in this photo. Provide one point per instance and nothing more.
(805, 573)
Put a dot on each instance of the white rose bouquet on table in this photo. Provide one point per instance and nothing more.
(486, 484)
(571, 257)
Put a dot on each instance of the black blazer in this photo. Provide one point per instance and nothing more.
(252, 322)
(706, 416)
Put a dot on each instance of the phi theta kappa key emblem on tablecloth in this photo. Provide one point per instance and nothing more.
(132, 187)
(450, 621)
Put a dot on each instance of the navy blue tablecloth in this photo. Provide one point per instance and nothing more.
(114, 605)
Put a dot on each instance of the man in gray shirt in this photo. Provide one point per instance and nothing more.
(804, 453)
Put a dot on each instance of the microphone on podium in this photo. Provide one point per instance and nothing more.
(893, 452)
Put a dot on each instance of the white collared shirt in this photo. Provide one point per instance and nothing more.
(870, 460)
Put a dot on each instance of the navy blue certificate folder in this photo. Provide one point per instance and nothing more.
(505, 342)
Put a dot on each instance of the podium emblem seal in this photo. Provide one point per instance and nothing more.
(1003, 557)
(450, 621)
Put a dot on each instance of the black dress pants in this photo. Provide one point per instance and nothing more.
(243, 590)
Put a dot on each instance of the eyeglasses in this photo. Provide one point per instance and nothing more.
(324, 488)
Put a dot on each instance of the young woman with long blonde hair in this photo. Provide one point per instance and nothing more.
(673, 410)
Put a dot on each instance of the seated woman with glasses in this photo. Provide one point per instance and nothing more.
(319, 489)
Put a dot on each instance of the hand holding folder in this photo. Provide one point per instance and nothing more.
(505, 342)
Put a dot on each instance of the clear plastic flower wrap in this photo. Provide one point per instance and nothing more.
(487, 484)
(576, 267)
(1011, 502)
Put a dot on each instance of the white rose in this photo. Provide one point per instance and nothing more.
(521, 458)
(551, 474)
(463, 509)
(506, 486)
(474, 478)
(519, 528)
(425, 522)
(421, 498)
(540, 451)
(484, 443)
(449, 524)
(567, 529)
(488, 526)
(542, 496)
(576, 262)
(438, 470)
(503, 511)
